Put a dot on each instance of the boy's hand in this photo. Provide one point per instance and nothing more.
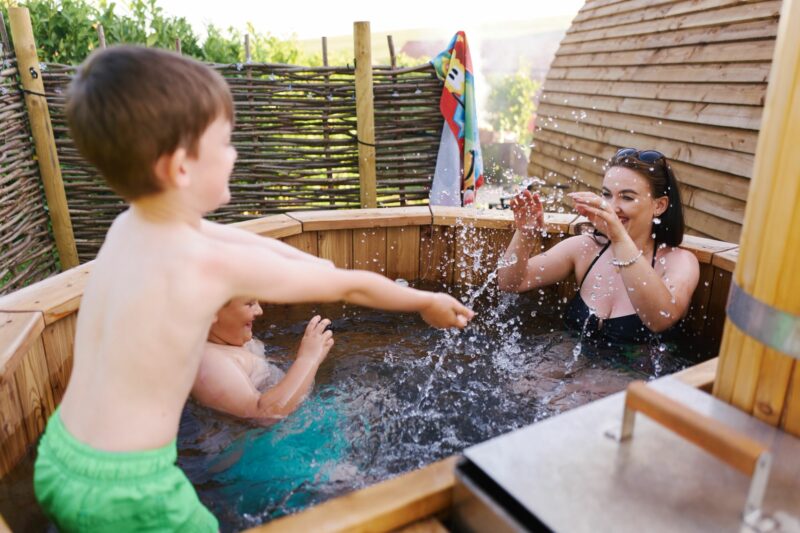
(444, 311)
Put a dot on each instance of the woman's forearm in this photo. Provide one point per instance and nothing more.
(649, 295)
(515, 261)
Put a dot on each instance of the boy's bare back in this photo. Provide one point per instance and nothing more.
(163, 272)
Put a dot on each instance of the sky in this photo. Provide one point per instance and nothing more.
(314, 18)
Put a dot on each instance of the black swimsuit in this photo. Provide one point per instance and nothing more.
(627, 328)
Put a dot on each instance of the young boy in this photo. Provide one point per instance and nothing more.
(235, 378)
(158, 127)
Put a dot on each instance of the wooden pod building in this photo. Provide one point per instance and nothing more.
(685, 78)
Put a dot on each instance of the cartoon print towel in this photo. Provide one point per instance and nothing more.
(459, 165)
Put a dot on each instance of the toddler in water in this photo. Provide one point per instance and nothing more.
(158, 127)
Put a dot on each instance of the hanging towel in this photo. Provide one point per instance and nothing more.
(459, 165)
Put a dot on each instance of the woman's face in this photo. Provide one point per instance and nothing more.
(234, 323)
(631, 198)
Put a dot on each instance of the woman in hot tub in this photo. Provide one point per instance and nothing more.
(633, 279)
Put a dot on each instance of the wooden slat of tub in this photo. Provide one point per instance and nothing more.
(700, 376)
(59, 343)
(18, 333)
(13, 436)
(726, 260)
(402, 252)
(705, 249)
(35, 395)
(772, 386)
(791, 414)
(430, 525)
(369, 249)
(382, 507)
(337, 245)
(275, 226)
(695, 321)
(436, 253)
(55, 297)
(459, 216)
(363, 218)
(306, 242)
(477, 251)
(715, 318)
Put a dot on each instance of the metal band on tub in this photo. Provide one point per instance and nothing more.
(770, 326)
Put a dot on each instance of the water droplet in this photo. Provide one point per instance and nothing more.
(665, 314)
(533, 314)
(662, 347)
(401, 282)
(705, 283)
(656, 220)
(576, 351)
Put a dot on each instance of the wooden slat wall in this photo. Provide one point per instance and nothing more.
(687, 78)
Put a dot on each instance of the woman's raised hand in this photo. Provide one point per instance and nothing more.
(600, 213)
(528, 212)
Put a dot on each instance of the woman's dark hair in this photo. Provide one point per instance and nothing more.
(658, 173)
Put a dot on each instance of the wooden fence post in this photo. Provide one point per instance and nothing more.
(101, 36)
(365, 115)
(326, 125)
(42, 130)
(755, 373)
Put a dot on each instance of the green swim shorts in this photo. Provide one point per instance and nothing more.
(83, 489)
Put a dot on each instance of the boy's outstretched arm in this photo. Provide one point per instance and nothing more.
(270, 277)
(235, 235)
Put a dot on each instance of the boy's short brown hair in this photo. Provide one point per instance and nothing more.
(127, 106)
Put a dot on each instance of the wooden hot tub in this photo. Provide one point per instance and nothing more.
(37, 326)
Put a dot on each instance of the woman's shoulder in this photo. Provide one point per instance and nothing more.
(678, 259)
(676, 253)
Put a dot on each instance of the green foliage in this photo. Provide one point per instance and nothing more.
(510, 104)
(266, 48)
(66, 32)
(219, 48)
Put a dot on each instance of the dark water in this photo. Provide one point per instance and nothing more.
(395, 395)
(392, 396)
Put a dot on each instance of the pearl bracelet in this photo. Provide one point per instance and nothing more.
(629, 262)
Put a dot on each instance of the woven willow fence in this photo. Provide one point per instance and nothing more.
(27, 252)
(296, 137)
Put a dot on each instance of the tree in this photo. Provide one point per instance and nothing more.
(66, 32)
(510, 104)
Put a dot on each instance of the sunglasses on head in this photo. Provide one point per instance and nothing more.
(645, 156)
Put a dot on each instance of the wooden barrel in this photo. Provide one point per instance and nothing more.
(758, 370)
